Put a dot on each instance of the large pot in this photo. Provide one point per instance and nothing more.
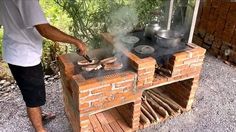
(168, 38)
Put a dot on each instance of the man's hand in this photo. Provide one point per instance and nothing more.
(82, 48)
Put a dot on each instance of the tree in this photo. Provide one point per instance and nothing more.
(91, 17)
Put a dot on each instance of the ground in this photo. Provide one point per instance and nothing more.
(213, 109)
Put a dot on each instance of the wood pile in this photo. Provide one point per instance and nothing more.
(157, 107)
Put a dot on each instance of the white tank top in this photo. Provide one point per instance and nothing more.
(22, 44)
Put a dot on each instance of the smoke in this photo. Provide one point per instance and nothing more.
(122, 21)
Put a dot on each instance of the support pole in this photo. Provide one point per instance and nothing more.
(170, 14)
(194, 21)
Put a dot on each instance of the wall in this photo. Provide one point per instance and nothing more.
(215, 28)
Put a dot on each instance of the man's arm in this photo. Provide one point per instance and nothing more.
(54, 34)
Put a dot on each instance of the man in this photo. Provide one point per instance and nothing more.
(24, 23)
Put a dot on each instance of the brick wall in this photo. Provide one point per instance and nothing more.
(100, 93)
(215, 29)
(187, 62)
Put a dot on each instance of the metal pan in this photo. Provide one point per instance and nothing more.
(168, 38)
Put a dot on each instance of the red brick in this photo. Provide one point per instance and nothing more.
(83, 106)
(216, 3)
(208, 2)
(146, 65)
(88, 84)
(96, 103)
(116, 91)
(133, 58)
(175, 73)
(84, 117)
(90, 109)
(197, 52)
(100, 90)
(179, 63)
(140, 83)
(203, 24)
(220, 27)
(89, 98)
(233, 6)
(124, 84)
(234, 39)
(206, 12)
(141, 71)
(224, 8)
(212, 26)
(226, 36)
(191, 60)
(231, 17)
(181, 56)
(113, 79)
(196, 64)
(84, 94)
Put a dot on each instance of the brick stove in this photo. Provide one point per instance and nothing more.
(112, 101)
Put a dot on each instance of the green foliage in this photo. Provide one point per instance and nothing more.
(91, 17)
(88, 17)
(58, 18)
(145, 9)
(55, 15)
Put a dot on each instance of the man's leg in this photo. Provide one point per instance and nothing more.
(35, 116)
(31, 83)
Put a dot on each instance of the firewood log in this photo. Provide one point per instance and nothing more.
(168, 100)
(144, 119)
(146, 113)
(162, 104)
(150, 109)
(160, 110)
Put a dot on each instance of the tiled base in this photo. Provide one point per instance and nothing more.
(108, 121)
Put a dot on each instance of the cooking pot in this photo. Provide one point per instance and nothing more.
(168, 38)
(151, 29)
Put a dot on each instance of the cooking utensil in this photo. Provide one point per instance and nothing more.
(151, 29)
(144, 49)
(168, 38)
(129, 41)
(85, 56)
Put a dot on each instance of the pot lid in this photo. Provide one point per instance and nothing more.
(129, 39)
(144, 49)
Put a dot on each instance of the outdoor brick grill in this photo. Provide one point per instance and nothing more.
(112, 101)
(146, 91)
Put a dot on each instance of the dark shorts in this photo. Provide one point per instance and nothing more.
(31, 83)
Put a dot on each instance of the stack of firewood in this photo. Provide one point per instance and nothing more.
(157, 106)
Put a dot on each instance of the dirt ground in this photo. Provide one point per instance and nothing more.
(214, 109)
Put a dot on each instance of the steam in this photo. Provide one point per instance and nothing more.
(122, 22)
